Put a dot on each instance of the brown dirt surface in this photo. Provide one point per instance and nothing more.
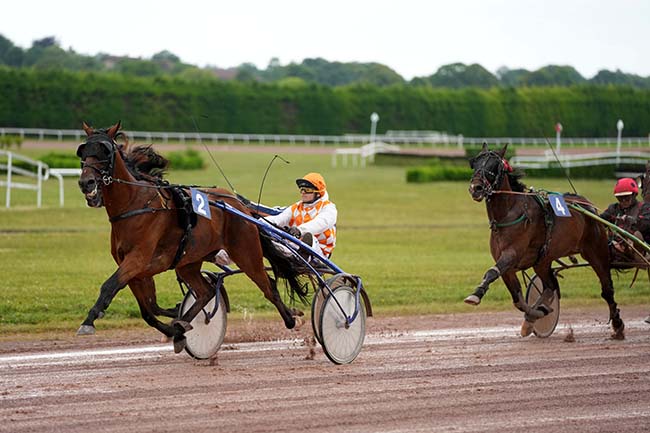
(446, 373)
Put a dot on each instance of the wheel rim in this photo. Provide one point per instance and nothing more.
(546, 325)
(342, 343)
(316, 305)
(333, 283)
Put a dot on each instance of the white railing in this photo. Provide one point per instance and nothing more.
(579, 160)
(9, 165)
(418, 138)
(41, 173)
(359, 155)
(59, 173)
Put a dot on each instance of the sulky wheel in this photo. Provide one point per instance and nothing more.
(342, 342)
(206, 335)
(545, 326)
(333, 282)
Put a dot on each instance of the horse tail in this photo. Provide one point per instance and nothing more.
(284, 268)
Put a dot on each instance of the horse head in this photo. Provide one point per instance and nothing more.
(644, 181)
(97, 155)
(489, 167)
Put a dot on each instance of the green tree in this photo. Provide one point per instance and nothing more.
(458, 75)
(511, 77)
(605, 77)
(553, 75)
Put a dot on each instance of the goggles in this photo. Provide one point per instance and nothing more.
(304, 190)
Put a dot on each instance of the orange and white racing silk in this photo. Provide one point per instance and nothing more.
(317, 218)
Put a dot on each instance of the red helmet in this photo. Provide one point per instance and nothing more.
(626, 186)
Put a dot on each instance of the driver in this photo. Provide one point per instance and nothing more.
(629, 214)
(312, 219)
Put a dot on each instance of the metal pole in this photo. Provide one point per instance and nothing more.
(8, 201)
(39, 182)
(374, 118)
(619, 126)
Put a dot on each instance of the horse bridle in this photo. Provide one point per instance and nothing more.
(107, 165)
(482, 171)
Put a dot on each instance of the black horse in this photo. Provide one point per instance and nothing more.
(526, 233)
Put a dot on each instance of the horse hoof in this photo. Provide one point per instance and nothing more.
(299, 322)
(619, 333)
(296, 313)
(86, 330)
(179, 344)
(526, 328)
(472, 300)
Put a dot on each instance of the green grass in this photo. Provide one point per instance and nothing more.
(420, 248)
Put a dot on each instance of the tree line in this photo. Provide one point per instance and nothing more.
(55, 98)
(46, 53)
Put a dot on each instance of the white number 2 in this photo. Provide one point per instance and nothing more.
(200, 208)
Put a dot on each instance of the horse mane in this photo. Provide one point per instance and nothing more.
(514, 178)
(145, 163)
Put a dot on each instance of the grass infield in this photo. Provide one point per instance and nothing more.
(419, 248)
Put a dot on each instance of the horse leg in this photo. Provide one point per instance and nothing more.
(144, 291)
(504, 263)
(106, 294)
(602, 269)
(166, 312)
(191, 275)
(542, 306)
(514, 287)
(254, 269)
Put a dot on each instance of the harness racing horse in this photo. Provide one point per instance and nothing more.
(147, 239)
(526, 234)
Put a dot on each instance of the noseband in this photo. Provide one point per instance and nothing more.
(482, 172)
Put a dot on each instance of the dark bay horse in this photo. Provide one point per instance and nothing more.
(526, 233)
(148, 235)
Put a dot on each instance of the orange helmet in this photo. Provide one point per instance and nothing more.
(314, 181)
(626, 186)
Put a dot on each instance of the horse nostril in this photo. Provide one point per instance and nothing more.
(87, 185)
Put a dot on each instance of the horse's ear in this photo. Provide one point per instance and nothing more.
(112, 131)
(485, 147)
(502, 152)
(88, 129)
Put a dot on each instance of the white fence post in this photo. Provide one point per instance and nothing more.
(39, 183)
(9, 171)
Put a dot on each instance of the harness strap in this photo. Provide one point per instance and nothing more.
(180, 252)
(495, 225)
(135, 212)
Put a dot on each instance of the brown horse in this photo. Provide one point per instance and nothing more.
(151, 233)
(526, 233)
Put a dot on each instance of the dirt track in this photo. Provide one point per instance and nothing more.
(456, 373)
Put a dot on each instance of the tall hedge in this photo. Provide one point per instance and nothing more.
(57, 99)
